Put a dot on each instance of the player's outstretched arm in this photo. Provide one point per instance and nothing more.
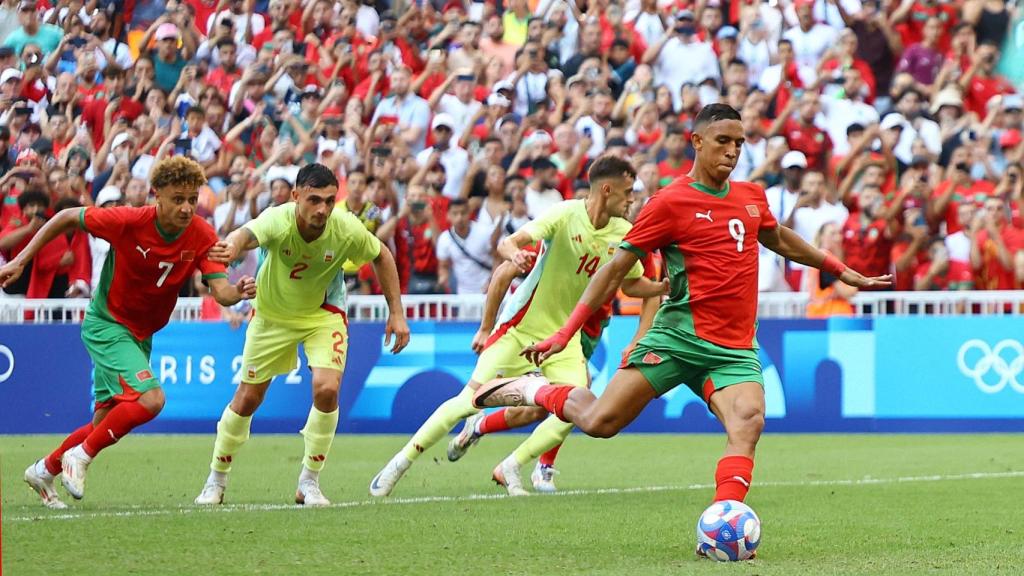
(511, 249)
(791, 246)
(648, 310)
(230, 294)
(387, 272)
(644, 287)
(600, 290)
(228, 249)
(501, 279)
(59, 224)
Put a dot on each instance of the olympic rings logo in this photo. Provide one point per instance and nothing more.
(6, 352)
(992, 359)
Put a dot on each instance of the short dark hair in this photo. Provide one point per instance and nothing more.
(786, 42)
(33, 197)
(113, 71)
(714, 113)
(458, 202)
(738, 62)
(490, 139)
(225, 42)
(512, 178)
(610, 166)
(315, 176)
(196, 110)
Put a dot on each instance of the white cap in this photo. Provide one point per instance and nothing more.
(108, 194)
(538, 137)
(504, 85)
(443, 119)
(121, 139)
(498, 100)
(327, 146)
(10, 74)
(1013, 102)
(894, 120)
(794, 159)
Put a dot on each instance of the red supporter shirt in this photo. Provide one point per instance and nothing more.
(977, 192)
(911, 30)
(139, 285)
(708, 243)
(94, 111)
(981, 90)
(667, 172)
(810, 140)
(867, 245)
(414, 250)
(993, 275)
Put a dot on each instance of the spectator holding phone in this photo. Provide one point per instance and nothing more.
(33, 31)
(20, 229)
(446, 151)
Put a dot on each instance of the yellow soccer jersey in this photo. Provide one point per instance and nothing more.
(370, 216)
(295, 275)
(571, 252)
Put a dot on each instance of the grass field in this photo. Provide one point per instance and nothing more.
(829, 505)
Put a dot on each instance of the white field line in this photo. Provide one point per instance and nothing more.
(139, 511)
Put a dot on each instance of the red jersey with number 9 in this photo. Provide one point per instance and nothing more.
(146, 267)
(708, 242)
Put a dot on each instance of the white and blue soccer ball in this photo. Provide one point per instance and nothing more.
(728, 531)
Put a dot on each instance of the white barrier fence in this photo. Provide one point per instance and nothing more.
(445, 307)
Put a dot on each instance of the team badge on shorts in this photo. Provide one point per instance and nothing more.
(753, 211)
(143, 375)
(251, 372)
(651, 358)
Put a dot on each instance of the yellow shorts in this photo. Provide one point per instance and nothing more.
(502, 359)
(272, 348)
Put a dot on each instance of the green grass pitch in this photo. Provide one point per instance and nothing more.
(885, 505)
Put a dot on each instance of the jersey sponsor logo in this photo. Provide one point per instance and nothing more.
(329, 256)
(704, 216)
(143, 375)
(652, 359)
(143, 251)
(753, 211)
(188, 255)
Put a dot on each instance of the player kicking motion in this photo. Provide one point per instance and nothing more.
(301, 301)
(479, 425)
(707, 229)
(154, 250)
(577, 236)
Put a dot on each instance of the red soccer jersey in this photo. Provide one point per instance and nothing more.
(977, 192)
(868, 245)
(708, 242)
(993, 275)
(146, 268)
(809, 139)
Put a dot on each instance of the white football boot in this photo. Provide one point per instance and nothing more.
(543, 478)
(459, 445)
(74, 464)
(507, 474)
(384, 482)
(308, 493)
(41, 482)
(212, 494)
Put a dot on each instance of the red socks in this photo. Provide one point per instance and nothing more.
(552, 398)
(548, 458)
(118, 422)
(494, 422)
(52, 461)
(732, 478)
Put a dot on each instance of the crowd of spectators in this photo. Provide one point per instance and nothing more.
(881, 130)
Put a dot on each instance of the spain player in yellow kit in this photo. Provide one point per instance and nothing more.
(707, 228)
(576, 237)
(300, 300)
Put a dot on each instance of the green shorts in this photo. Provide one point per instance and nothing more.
(121, 371)
(668, 358)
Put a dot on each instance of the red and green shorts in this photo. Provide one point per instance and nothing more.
(121, 371)
(668, 358)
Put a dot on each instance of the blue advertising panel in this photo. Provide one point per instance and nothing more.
(913, 374)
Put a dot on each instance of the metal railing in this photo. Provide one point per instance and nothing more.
(446, 307)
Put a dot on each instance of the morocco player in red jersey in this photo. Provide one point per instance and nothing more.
(707, 229)
(154, 250)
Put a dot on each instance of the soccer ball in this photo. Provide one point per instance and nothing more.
(728, 531)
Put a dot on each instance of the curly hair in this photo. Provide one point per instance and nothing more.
(177, 171)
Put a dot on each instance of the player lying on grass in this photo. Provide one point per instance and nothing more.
(707, 229)
(480, 424)
(577, 236)
(301, 300)
(154, 250)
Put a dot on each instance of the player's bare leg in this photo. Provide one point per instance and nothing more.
(740, 408)
(109, 425)
(622, 401)
(232, 432)
(437, 426)
(321, 425)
